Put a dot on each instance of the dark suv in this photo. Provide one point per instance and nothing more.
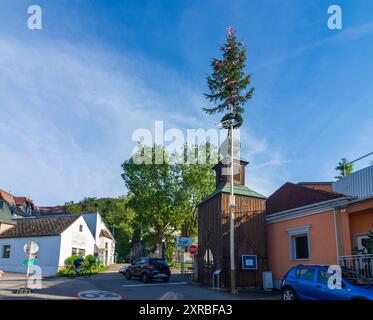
(147, 269)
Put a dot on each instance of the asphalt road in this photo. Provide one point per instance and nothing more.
(114, 286)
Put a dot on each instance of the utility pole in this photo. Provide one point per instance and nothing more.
(232, 205)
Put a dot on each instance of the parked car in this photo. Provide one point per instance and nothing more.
(310, 282)
(122, 270)
(148, 269)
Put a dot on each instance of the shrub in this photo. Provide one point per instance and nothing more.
(90, 260)
(69, 262)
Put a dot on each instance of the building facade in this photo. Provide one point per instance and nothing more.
(214, 231)
(317, 227)
(58, 238)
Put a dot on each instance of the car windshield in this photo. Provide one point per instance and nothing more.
(158, 262)
(356, 278)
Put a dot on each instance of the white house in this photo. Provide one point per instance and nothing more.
(105, 243)
(58, 238)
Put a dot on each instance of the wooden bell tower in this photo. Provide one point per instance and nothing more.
(214, 231)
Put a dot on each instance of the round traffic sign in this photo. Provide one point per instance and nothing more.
(193, 249)
(31, 247)
(99, 295)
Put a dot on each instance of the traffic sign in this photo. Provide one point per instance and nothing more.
(31, 247)
(31, 262)
(193, 249)
(183, 242)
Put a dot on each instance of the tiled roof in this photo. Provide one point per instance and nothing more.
(7, 197)
(53, 211)
(105, 234)
(7, 221)
(21, 200)
(290, 196)
(35, 227)
(14, 202)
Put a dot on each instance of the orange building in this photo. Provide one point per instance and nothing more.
(307, 223)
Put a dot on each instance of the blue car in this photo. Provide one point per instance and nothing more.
(310, 282)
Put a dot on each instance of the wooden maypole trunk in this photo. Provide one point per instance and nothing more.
(214, 233)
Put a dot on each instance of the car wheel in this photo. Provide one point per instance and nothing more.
(166, 279)
(128, 275)
(145, 278)
(288, 294)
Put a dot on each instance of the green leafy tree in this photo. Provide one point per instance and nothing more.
(165, 196)
(152, 187)
(197, 181)
(228, 83)
(345, 168)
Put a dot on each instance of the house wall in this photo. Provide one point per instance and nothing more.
(214, 235)
(47, 257)
(73, 238)
(5, 212)
(209, 238)
(96, 224)
(322, 243)
(360, 224)
(345, 244)
(249, 237)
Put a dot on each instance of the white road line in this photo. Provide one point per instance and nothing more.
(153, 284)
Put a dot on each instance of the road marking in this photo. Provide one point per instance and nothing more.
(171, 296)
(153, 284)
(99, 295)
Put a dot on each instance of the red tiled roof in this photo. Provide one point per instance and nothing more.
(7, 197)
(21, 200)
(33, 227)
(57, 210)
(291, 196)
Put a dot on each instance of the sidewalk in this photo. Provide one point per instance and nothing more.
(245, 295)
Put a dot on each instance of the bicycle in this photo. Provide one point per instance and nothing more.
(84, 272)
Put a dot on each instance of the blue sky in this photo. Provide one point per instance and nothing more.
(72, 93)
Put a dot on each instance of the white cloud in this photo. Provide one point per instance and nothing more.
(68, 114)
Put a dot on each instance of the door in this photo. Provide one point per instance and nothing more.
(326, 293)
(136, 270)
(106, 254)
(305, 288)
